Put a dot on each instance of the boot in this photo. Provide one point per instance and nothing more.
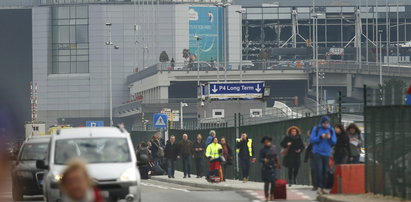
(272, 197)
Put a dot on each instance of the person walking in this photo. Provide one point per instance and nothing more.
(213, 154)
(185, 148)
(342, 150)
(143, 160)
(157, 149)
(171, 153)
(210, 138)
(77, 185)
(356, 142)
(245, 151)
(198, 154)
(227, 154)
(309, 157)
(269, 159)
(323, 139)
(173, 63)
(293, 145)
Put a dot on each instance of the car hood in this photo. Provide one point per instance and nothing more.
(101, 171)
(26, 165)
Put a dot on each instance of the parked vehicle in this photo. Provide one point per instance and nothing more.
(27, 179)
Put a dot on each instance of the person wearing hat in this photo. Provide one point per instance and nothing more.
(293, 145)
(323, 139)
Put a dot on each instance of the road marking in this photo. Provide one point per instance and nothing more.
(162, 187)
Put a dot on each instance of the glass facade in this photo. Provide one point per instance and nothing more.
(70, 40)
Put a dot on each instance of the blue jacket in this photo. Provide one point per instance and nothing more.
(323, 146)
(209, 140)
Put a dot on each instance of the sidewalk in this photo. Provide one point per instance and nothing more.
(357, 198)
(227, 185)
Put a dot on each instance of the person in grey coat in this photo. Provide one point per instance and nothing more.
(356, 142)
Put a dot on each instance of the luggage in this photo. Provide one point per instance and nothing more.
(214, 179)
(156, 170)
(280, 191)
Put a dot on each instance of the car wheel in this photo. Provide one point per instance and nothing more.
(17, 195)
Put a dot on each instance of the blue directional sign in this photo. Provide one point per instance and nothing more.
(160, 121)
(236, 90)
(94, 123)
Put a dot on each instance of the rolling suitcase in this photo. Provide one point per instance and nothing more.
(280, 191)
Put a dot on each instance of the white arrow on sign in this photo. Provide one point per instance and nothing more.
(214, 89)
(258, 89)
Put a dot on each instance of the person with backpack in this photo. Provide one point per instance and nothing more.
(185, 148)
(323, 139)
(171, 153)
(269, 159)
(198, 154)
(342, 150)
(143, 160)
(356, 142)
(293, 145)
(157, 149)
(210, 138)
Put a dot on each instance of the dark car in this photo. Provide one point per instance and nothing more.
(26, 178)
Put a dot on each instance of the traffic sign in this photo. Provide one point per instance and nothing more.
(236, 90)
(160, 121)
(94, 123)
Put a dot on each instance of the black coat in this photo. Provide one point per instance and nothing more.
(268, 170)
(171, 151)
(197, 145)
(293, 158)
(342, 148)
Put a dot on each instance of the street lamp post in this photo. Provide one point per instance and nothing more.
(110, 44)
(198, 58)
(182, 105)
(240, 14)
(380, 53)
(223, 32)
(315, 55)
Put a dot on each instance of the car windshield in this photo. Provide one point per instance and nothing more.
(93, 150)
(33, 152)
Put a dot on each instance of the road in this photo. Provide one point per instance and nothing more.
(154, 191)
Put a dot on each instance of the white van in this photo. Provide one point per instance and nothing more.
(112, 162)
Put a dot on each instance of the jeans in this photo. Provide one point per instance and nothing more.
(313, 171)
(245, 166)
(355, 160)
(186, 165)
(171, 167)
(266, 188)
(199, 164)
(322, 166)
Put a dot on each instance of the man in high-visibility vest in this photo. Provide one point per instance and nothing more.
(245, 151)
(213, 154)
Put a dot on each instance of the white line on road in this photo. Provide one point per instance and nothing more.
(162, 187)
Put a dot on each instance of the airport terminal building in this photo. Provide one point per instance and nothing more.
(75, 43)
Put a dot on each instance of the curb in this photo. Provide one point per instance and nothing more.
(206, 184)
(325, 198)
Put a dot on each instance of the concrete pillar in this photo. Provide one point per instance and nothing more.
(163, 92)
(349, 85)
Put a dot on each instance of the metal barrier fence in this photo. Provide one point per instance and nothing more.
(388, 150)
(276, 130)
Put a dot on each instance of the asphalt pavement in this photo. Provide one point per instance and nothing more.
(156, 190)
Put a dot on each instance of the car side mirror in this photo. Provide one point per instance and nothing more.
(41, 164)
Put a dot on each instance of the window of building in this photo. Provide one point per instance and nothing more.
(218, 113)
(70, 40)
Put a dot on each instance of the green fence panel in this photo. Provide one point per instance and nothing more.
(140, 136)
(388, 150)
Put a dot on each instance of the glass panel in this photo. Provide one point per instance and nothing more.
(82, 58)
(82, 33)
(63, 12)
(284, 16)
(72, 34)
(82, 12)
(64, 67)
(81, 21)
(254, 16)
(72, 12)
(333, 9)
(303, 10)
(63, 34)
(270, 10)
(347, 9)
(82, 67)
(254, 10)
(304, 16)
(63, 58)
(284, 10)
(73, 67)
(270, 16)
(82, 52)
(82, 45)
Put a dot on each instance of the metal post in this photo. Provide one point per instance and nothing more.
(198, 60)
(388, 32)
(218, 44)
(241, 46)
(237, 131)
(339, 106)
(181, 116)
(110, 43)
(380, 52)
(316, 65)
(398, 34)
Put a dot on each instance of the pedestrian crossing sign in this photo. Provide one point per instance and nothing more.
(160, 120)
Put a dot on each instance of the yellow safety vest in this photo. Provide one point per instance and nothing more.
(249, 145)
(213, 150)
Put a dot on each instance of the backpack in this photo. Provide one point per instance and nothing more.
(143, 156)
(160, 149)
